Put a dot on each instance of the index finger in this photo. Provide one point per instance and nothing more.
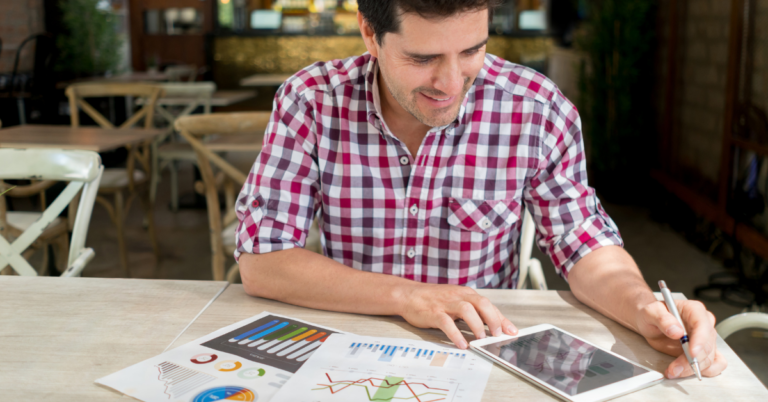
(702, 335)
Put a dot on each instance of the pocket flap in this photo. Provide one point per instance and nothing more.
(481, 215)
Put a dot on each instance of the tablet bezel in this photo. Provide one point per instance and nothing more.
(603, 393)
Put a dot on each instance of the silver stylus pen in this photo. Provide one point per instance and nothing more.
(684, 340)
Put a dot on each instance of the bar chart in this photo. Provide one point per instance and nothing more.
(281, 342)
(406, 354)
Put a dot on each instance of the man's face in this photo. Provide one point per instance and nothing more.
(429, 65)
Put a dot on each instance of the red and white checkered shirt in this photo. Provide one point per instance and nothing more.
(450, 214)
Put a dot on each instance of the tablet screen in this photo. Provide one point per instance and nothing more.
(564, 362)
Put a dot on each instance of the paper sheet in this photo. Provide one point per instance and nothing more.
(247, 361)
(359, 368)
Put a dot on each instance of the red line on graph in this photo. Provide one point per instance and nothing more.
(349, 383)
(369, 380)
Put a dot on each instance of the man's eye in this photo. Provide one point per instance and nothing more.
(423, 61)
(472, 52)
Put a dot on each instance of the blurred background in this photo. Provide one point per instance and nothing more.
(673, 97)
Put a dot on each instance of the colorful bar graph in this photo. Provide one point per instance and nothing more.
(280, 341)
(253, 331)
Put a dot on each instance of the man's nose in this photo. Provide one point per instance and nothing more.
(449, 78)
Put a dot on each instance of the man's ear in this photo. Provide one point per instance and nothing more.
(369, 37)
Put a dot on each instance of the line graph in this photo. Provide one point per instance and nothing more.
(386, 390)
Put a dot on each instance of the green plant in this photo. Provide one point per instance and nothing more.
(91, 44)
(616, 87)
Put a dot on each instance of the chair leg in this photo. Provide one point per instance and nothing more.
(61, 251)
(44, 266)
(155, 177)
(150, 217)
(174, 185)
(120, 224)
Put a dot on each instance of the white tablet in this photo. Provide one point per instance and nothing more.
(566, 365)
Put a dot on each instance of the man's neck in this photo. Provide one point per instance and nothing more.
(401, 123)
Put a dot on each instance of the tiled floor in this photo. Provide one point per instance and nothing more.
(660, 252)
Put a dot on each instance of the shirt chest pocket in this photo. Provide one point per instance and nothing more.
(482, 216)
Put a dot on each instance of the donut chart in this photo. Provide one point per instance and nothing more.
(203, 358)
(228, 365)
(227, 393)
(251, 373)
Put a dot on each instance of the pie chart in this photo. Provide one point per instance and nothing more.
(228, 365)
(203, 358)
(228, 393)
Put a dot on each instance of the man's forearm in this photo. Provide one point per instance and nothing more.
(609, 281)
(304, 278)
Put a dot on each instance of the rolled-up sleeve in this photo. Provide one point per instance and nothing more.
(570, 220)
(277, 203)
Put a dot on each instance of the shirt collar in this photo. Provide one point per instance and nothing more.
(373, 104)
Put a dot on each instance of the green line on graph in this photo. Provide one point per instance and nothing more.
(280, 333)
(385, 393)
(292, 334)
(370, 398)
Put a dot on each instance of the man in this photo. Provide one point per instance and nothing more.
(417, 157)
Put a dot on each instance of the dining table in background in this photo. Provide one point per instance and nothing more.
(264, 80)
(65, 137)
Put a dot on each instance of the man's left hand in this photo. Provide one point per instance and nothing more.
(663, 333)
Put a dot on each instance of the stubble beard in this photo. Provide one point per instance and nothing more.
(438, 119)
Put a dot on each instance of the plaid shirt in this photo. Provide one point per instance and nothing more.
(451, 213)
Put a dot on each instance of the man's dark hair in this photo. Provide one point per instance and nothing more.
(384, 15)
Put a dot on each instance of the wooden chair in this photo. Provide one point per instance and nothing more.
(28, 231)
(185, 72)
(167, 150)
(122, 184)
(237, 132)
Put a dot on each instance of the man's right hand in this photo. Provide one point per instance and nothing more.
(438, 306)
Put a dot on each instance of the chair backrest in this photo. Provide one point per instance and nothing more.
(178, 73)
(78, 92)
(197, 94)
(194, 127)
(82, 169)
(742, 321)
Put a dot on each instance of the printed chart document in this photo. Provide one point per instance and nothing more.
(247, 361)
(360, 368)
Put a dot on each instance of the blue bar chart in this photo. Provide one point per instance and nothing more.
(402, 354)
(282, 342)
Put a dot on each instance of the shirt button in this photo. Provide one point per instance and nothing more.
(414, 209)
(411, 253)
(255, 203)
(404, 160)
(485, 223)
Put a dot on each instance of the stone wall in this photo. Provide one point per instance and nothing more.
(18, 20)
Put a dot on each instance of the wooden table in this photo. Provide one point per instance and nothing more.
(58, 335)
(135, 76)
(65, 137)
(264, 80)
(524, 308)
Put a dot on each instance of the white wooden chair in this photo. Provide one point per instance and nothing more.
(167, 150)
(83, 170)
(122, 184)
(182, 72)
(742, 321)
(529, 266)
